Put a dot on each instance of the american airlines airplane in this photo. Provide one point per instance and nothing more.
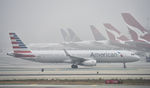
(74, 57)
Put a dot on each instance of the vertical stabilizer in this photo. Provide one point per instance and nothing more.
(19, 48)
(97, 35)
(116, 31)
(134, 35)
(111, 36)
(73, 36)
(65, 35)
(130, 20)
(110, 27)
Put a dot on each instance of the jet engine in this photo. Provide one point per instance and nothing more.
(89, 63)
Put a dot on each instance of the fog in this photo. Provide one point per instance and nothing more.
(40, 21)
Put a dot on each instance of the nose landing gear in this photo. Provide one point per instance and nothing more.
(124, 65)
(42, 70)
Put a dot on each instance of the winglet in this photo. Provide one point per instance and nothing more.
(67, 54)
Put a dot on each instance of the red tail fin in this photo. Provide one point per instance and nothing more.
(97, 35)
(110, 27)
(130, 20)
(110, 36)
(120, 37)
(134, 35)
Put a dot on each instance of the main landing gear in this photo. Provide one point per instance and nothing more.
(42, 70)
(74, 66)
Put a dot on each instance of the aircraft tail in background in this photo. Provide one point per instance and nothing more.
(97, 35)
(134, 35)
(132, 22)
(73, 36)
(117, 34)
(19, 48)
(110, 27)
(111, 36)
(65, 35)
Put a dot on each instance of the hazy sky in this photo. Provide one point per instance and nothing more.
(41, 20)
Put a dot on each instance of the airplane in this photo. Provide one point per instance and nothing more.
(72, 41)
(100, 41)
(74, 57)
(51, 46)
(139, 42)
(119, 36)
(138, 33)
(118, 39)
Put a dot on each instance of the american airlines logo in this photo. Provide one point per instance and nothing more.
(104, 54)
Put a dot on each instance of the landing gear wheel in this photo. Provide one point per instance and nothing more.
(42, 70)
(74, 66)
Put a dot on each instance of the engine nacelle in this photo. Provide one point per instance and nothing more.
(89, 63)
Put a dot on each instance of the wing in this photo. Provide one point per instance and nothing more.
(75, 59)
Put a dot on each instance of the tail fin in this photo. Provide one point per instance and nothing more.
(65, 35)
(97, 35)
(130, 20)
(19, 48)
(119, 36)
(73, 36)
(146, 37)
(134, 35)
(111, 36)
(110, 27)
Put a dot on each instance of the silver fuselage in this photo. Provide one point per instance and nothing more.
(101, 56)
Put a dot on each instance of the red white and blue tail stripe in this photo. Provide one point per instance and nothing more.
(19, 48)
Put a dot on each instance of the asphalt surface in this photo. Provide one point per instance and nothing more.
(15, 68)
(74, 86)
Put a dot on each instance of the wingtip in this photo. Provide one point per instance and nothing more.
(67, 54)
